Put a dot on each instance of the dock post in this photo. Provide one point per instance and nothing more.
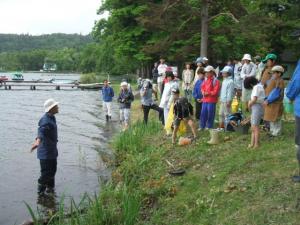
(9, 87)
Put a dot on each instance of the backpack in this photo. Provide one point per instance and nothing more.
(182, 108)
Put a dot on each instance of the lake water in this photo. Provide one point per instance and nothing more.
(83, 133)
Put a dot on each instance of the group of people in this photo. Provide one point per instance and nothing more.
(252, 83)
(258, 85)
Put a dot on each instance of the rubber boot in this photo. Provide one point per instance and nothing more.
(107, 117)
(214, 137)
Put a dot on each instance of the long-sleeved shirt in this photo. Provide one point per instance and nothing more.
(47, 133)
(187, 79)
(238, 81)
(125, 99)
(162, 68)
(227, 90)
(107, 94)
(293, 90)
(248, 70)
(166, 99)
(210, 86)
(197, 94)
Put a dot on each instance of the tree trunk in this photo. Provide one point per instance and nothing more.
(204, 28)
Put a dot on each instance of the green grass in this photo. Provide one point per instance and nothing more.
(225, 184)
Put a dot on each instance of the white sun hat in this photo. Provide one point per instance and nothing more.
(247, 57)
(278, 69)
(49, 104)
(204, 59)
(124, 83)
(209, 69)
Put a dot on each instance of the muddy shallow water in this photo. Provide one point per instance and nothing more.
(82, 132)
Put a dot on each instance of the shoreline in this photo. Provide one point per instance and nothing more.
(223, 184)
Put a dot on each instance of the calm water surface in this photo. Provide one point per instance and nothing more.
(82, 131)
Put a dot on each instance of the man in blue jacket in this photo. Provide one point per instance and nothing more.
(46, 145)
(197, 94)
(293, 93)
(107, 95)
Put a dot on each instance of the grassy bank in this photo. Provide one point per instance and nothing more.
(223, 184)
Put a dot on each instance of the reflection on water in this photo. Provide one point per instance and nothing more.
(83, 133)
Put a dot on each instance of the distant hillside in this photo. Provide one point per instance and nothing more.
(25, 42)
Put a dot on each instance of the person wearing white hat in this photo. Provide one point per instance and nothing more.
(248, 70)
(210, 89)
(274, 110)
(226, 95)
(46, 145)
(125, 99)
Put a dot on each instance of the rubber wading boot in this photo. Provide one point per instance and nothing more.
(214, 137)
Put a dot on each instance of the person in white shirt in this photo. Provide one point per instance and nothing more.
(260, 66)
(226, 96)
(166, 97)
(238, 81)
(187, 81)
(256, 106)
(248, 70)
(161, 74)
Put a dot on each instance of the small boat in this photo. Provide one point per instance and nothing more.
(3, 78)
(63, 81)
(93, 86)
(18, 77)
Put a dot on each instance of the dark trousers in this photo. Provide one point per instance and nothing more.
(198, 107)
(297, 130)
(48, 171)
(146, 110)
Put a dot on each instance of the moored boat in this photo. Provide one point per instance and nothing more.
(17, 77)
(63, 81)
(3, 78)
(93, 86)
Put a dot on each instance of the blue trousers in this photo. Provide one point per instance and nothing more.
(207, 117)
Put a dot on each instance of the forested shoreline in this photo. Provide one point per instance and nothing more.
(29, 53)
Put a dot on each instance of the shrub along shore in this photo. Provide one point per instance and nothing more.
(222, 184)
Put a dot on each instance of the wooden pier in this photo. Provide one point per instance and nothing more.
(35, 85)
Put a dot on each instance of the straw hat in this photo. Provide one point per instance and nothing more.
(278, 69)
(49, 104)
(209, 69)
(124, 84)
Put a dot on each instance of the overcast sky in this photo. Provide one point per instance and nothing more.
(48, 16)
